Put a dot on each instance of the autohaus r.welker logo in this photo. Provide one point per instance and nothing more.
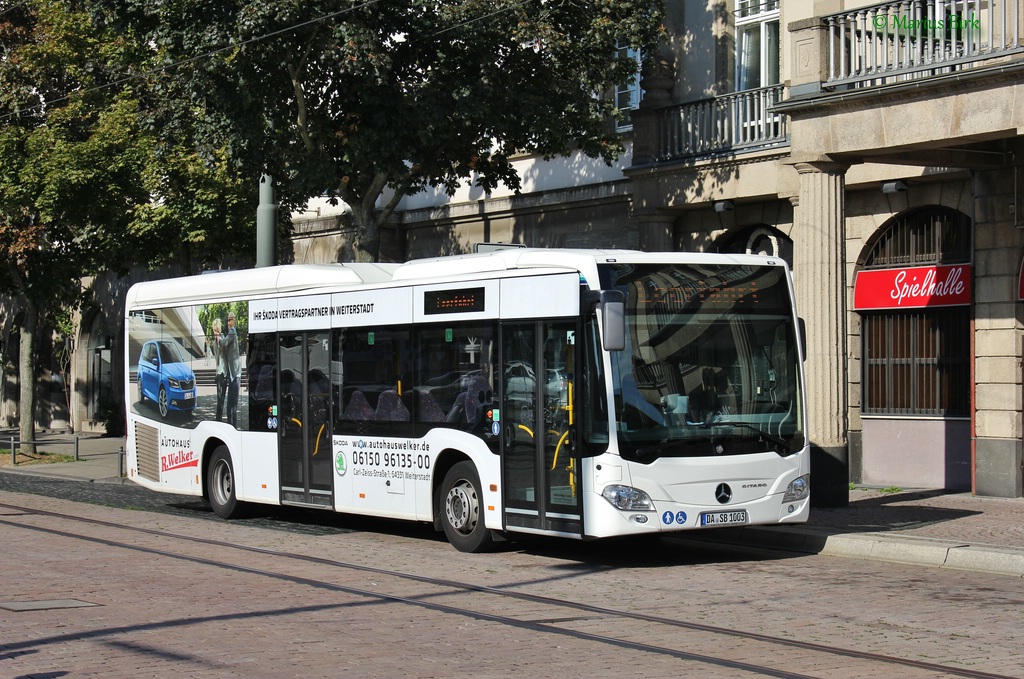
(178, 460)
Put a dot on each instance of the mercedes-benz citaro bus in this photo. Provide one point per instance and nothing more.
(574, 393)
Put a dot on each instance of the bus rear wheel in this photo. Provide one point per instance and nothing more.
(220, 486)
(460, 508)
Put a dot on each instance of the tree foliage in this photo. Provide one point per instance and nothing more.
(371, 100)
(70, 154)
(85, 186)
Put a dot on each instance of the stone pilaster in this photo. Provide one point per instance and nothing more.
(657, 232)
(820, 281)
(808, 40)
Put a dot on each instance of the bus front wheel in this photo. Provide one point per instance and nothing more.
(220, 486)
(461, 509)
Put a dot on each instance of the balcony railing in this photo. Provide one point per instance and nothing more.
(896, 41)
(731, 122)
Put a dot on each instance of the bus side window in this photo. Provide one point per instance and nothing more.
(454, 377)
(260, 369)
(371, 365)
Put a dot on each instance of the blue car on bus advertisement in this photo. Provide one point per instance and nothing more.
(166, 378)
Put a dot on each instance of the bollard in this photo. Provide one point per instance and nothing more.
(76, 447)
(13, 458)
(120, 462)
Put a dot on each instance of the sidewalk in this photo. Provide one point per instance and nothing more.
(99, 457)
(923, 527)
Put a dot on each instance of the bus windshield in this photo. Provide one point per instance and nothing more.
(711, 365)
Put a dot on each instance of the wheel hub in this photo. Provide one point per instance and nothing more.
(461, 509)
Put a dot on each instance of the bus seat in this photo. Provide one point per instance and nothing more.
(390, 408)
(457, 414)
(358, 408)
(264, 390)
(427, 409)
(478, 397)
(318, 382)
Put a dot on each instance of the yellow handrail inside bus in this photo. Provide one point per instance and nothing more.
(569, 406)
(316, 449)
(561, 440)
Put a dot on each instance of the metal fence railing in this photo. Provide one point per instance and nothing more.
(907, 39)
(730, 122)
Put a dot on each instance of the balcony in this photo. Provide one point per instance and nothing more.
(894, 42)
(741, 121)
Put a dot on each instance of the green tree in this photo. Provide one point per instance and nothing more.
(372, 100)
(70, 155)
(85, 185)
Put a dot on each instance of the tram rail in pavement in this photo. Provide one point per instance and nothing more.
(911, 526)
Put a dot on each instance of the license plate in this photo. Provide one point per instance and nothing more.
(711, 519)
(190, 394)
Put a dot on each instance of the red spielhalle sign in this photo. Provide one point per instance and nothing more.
(913, 287)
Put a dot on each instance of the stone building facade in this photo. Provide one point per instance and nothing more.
(874, 146)
(890, 142)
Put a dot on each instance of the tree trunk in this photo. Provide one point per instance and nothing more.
(27, 380)
(368, 218)
(366, 247)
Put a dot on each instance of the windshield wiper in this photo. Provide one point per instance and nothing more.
(653, 451)
(718, 421)
(777, 440)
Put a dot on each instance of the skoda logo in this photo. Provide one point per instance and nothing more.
(723, 493)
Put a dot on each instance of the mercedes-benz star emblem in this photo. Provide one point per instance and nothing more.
(723, 493)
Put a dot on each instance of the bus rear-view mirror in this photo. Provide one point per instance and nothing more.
(612, 307)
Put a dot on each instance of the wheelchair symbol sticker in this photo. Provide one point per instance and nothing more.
(669, 518)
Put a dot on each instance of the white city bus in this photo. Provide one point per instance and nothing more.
(573, 393)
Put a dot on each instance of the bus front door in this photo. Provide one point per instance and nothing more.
(305, 419)
(540, 467)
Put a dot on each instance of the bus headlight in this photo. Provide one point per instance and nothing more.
(627, 498)
(798, 489)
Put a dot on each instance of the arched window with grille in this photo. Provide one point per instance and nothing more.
(757, 239)
(916, 361)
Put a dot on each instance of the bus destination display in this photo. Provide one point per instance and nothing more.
(453, 301)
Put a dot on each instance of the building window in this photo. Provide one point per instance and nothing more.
(916, 362)
(759, 239)
(757, 44)
(627, 95)
(922, 237)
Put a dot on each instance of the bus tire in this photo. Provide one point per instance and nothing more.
(460, 507)
(220, 486)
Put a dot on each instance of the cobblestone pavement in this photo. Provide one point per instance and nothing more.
(926, 527)
(128, 597)
(151, 605)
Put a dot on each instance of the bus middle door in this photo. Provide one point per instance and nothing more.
(539, 465)
(305, 419)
